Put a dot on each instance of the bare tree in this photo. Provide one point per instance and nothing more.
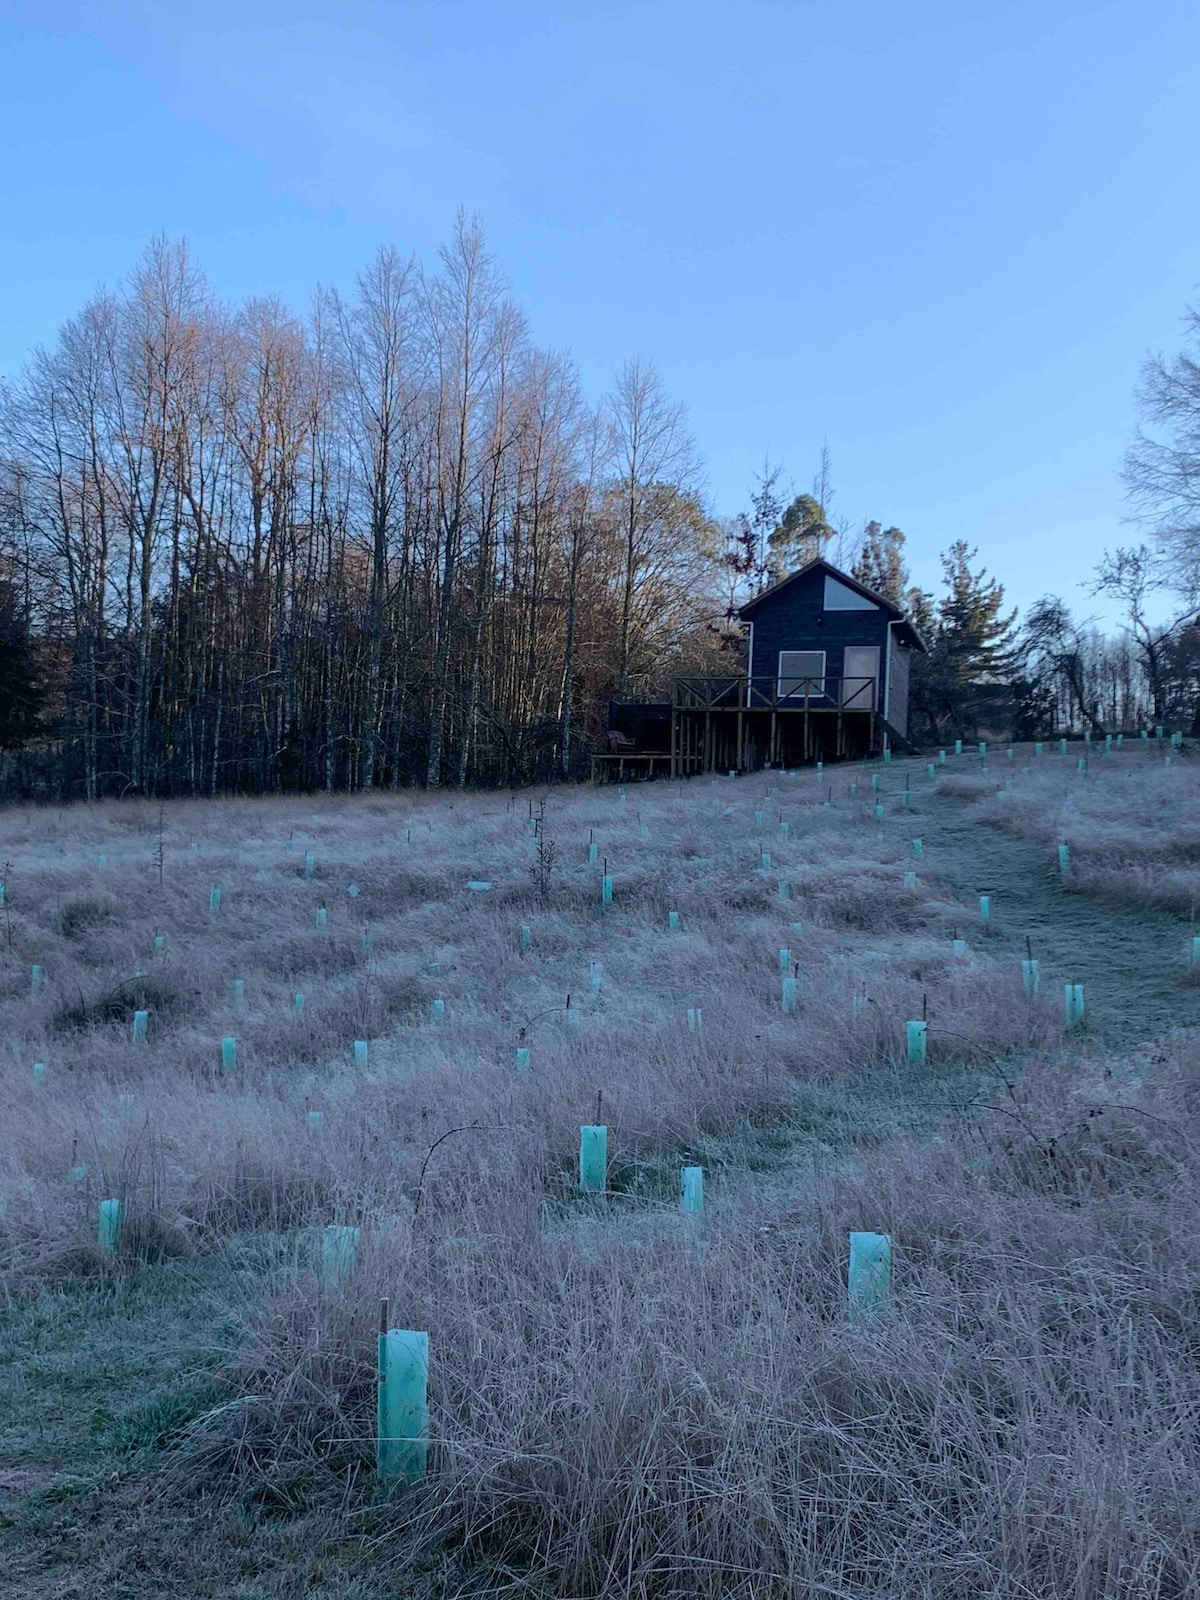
(1162, 466)
(654, 460)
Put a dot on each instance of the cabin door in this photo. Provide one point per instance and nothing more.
(860, 677)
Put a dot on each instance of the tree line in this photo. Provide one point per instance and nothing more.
(389, 541)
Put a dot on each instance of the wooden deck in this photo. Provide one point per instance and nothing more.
(739, 724)
(631, 763)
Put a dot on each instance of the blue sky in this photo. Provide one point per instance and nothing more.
(941, 236)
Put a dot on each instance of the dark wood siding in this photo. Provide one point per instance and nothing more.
(795, 619)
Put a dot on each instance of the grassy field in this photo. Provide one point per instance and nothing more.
(622, 1402)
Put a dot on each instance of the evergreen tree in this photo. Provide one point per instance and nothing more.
(880, 564)
(801, 536)
(976, 638)
(969, 640)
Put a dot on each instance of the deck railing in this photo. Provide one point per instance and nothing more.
(776, 694)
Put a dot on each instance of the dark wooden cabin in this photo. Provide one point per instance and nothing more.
(826, 674)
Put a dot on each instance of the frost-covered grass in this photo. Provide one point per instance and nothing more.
(621, 1404)
(1131, 822)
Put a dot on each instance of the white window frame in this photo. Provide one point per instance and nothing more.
(818, 677)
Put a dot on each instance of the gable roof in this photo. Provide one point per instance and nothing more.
(819, 564)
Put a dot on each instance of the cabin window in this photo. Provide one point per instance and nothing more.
(801, 672)
(841, 597)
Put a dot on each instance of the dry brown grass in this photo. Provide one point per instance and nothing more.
(621, 1404)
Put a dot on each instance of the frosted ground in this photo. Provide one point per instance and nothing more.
(621, 1403)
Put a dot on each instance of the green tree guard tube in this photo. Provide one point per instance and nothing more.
(958, 747)
(783, 830)
(929, 769)
(437, 1010)
(78, 1173)
(360, 1052)
(985, 908)
(1064, 860)
(160, 943)
(868, 1282)
(695, 1020)
(1062, 747)
(298, 1002)
(874, 780)
(1195, 951)
(112, 1219)
(321, 917)
(673, 920)
(785, 889)
(853, 787)
(525, 938)
(1037, 749)
(941, 758)
(983, 752)
(315, 1121)
(214, 899)
(237, 993)
(918, 848)
(228, 1055)
(593, 853)
(1073, 996)
(521, 1059)
(758, 819)
(960, 947)
(910, 879)
(879, 813)
(606, 890)
(593, 1156)
(915, 1040)
(788, 1000)
(310, 865)
(596, 979)
(858, 1005)
(339, 1254)
(765, 861)
(39, 1072)
(1031, 978)
(141, 1024)
(403, 1413)
(785, 960)
(691, 1190)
